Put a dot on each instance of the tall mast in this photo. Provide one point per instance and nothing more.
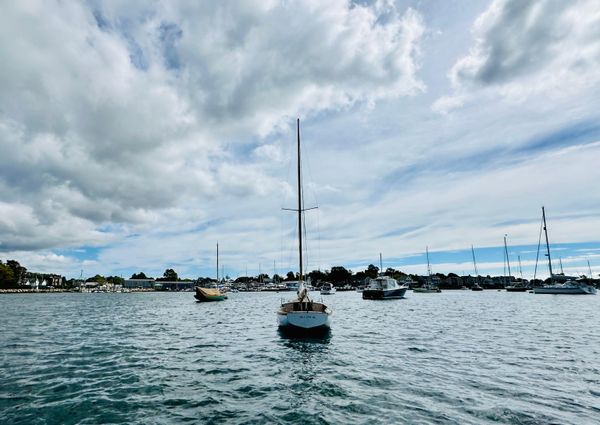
(520, 269)
(428, 265)
(474, 262)
(547, 243)
(217, 263)
(561, 268)
(380, 265)
(590, 269)
(299, 203)
(506, 253)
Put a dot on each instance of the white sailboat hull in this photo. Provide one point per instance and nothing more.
(566, 290)
(305, 320)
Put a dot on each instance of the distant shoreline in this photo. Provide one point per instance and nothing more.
(147, 290)
(64, 290)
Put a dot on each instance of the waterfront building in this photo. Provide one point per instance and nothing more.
(139, 283)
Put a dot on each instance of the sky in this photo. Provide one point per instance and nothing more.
(134, 136)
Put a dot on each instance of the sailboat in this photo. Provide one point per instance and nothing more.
(512, 285)
(476, 286)
(560, 284)
(384, 287)
(429, 287)
(302, 314)
(205, 294)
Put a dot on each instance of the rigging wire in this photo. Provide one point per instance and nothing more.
(310, 178)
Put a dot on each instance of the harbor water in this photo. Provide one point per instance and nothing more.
(458, 357)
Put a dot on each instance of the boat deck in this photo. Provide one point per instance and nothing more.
(304, 306)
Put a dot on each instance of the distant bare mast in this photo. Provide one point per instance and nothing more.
(428, 264)
(474, 262)
(547, 243)
(475, 265)
(520, 269)
(507, 258)
(561, 267)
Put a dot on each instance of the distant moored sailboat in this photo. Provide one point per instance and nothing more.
(476, 286)
(205, 294)
(568, 286)
(429, 286)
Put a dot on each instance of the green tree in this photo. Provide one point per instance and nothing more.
(291, 276)
(170, 275)
(7, 276)
(243, 279)
(360, 276)
(115, 280)
(393, 273)
(140, 275)
(372, 271)
(98, 278)
(339, 274)
(317, 276)
(18, 271)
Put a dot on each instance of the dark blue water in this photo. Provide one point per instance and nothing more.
(160, 358)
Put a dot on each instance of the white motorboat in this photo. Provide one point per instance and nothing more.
(302, 314)
(384, 288)
(327, 289)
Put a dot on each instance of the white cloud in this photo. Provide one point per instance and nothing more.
(529, 48)
(114, 113)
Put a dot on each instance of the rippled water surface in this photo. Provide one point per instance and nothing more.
(456, 357)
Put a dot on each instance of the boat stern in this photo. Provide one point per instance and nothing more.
(306, 319)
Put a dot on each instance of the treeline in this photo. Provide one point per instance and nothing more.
(11, 274)
(338, 275)
(14, 275)
(115, 280)
(169, 275)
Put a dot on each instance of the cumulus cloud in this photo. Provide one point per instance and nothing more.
(115, 112)
(527, 48)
